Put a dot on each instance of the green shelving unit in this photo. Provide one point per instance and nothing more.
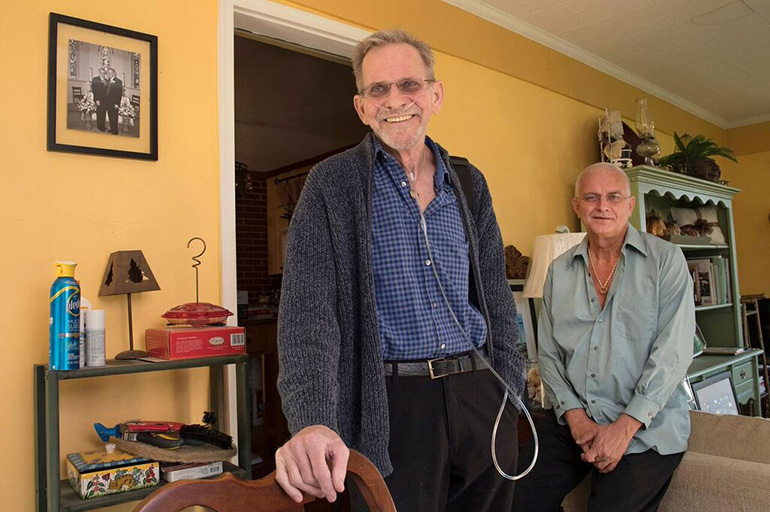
(721, 324)
(53, 494)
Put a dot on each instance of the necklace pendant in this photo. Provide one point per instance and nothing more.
(603, 290)
(414, 194)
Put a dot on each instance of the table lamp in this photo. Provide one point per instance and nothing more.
(128, 272)
(545, 249)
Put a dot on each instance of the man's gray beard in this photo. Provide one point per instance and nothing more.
(417, 138)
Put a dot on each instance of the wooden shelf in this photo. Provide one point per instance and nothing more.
(53, 497)
(122, 367)
(721, 324)
(715, 306)
(71, 502)
(709, 247)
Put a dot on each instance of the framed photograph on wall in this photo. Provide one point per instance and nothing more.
(716, 394)
(102, 89)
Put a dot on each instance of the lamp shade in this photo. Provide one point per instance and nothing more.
(545, 249)
(127, 272)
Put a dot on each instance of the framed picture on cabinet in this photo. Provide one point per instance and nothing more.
(102, 89)
(716, 394)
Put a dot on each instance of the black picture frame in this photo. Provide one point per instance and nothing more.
(716, 394)
(133, 129)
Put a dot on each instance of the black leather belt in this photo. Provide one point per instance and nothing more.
(436, 368)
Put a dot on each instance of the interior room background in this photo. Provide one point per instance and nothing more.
(524, 114)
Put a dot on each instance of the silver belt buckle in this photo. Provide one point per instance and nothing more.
(430, 368)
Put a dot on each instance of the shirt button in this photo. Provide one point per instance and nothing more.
(427, 262)
(593, 401)
(600, 320)
(596, 348)
(562, 402)
(442, 346)
(593, 300)
(593, 375)
(433, 305)
(403, 184)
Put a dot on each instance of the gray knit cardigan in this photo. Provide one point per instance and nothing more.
(331, 367)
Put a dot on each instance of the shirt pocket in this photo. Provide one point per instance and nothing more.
(635, 317)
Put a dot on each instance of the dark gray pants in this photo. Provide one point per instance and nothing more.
(637, 484)
(440, 432)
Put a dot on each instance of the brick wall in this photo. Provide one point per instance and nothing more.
(251, 237)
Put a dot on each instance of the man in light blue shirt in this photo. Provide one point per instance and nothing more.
(615, 341)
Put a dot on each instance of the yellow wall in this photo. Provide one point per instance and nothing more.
(64, 206)
(752, 219)
(524, 114)
(527, 116)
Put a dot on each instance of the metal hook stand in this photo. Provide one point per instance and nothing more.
(197, 262)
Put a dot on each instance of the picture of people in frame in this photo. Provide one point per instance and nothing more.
(103, 90)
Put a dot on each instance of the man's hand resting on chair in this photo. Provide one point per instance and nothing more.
(314, 461)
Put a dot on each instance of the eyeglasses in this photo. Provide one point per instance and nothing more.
(612, 198)
(405, 85)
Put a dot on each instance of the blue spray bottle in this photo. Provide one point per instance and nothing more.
(64, 322)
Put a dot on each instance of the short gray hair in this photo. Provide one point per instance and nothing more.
(385, 38)
(605, 166)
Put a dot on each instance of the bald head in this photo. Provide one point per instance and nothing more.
(602, 167)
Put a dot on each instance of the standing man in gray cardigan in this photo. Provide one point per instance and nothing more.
(393, 287)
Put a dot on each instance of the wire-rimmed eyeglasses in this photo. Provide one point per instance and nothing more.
(405, 86)
(611, 198)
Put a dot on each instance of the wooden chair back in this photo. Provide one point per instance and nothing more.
(230, 494)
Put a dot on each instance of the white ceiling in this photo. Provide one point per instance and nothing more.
(709, 57)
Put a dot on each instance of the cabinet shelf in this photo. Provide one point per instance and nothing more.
(61, 497)
(721, 324)
(726, 305)
(710, 247)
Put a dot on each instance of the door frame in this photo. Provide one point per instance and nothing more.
(282, 22)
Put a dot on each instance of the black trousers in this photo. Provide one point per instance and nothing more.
(440, 434)
(112, 114)
(101, 114)
(637, 484)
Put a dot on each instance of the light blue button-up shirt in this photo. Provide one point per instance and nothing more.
(629, 357)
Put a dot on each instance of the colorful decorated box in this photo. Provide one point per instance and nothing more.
(97, 473)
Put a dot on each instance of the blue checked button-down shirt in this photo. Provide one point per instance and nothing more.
(414, 322)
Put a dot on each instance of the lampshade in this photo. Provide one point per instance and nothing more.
(127, 272)
(545, 249)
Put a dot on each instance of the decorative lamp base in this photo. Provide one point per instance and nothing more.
(131, 354)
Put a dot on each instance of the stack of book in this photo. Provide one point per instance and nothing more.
(711, 280)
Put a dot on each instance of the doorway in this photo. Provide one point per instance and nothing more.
(287, 24)
(293, 108)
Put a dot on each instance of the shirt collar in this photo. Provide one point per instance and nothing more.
(442, 176)
(633, 239)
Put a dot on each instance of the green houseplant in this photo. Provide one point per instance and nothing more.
(693, 157)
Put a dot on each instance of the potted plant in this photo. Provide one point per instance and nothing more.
(692, 157)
